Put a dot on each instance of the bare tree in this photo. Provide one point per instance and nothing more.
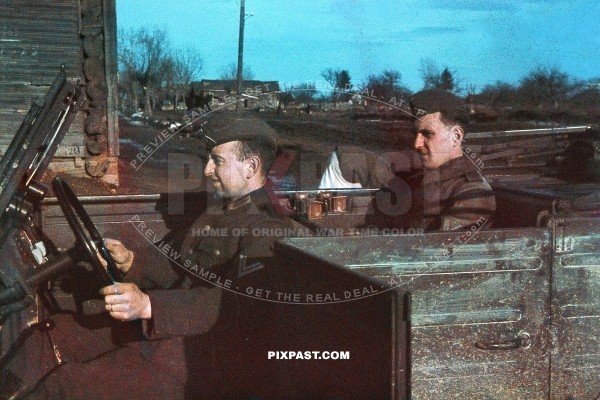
(544, 87)
(229, 73)
(498, 95)
(187, 64)
(129, 89)
(339, 81)
(430, 73)
(435, 78)
(144, 57)
(386, 85)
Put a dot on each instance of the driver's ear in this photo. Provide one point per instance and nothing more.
(254, 164)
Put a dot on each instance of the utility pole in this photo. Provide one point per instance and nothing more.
(240, 55)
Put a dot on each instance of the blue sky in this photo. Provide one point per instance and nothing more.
(294, 40)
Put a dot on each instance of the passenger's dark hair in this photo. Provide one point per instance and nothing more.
(450, 121)
(451, 107)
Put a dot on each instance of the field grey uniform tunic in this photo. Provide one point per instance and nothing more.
(170, 357)
(453, 196)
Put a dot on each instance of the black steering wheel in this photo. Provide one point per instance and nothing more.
(87, 236)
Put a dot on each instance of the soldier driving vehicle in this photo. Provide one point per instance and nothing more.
(241, 151)
(419, 234)
(174, 339)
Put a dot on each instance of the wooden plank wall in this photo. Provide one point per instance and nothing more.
(36, 38)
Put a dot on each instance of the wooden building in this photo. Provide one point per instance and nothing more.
(259, 93)
(36, 39)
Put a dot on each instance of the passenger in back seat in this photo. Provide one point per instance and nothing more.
(449, 192)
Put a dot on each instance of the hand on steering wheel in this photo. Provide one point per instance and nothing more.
(87, 236)
(121, 255)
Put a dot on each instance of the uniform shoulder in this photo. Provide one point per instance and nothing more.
(474, 176)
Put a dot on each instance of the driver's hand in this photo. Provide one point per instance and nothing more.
(122, 256)
(126, 302)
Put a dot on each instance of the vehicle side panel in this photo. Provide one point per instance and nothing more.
(469, 291)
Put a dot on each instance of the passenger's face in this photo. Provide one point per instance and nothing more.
(226, 173)
(434, 141)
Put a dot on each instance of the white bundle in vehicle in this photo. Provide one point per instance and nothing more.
(332, 177)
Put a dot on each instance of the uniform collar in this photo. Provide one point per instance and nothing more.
(257, 197)
(240, 202)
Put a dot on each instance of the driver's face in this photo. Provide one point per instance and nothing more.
(226, 173)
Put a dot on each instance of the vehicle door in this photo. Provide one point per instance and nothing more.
(480, 306)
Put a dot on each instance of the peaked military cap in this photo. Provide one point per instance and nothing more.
(438, 100)
(229, 127)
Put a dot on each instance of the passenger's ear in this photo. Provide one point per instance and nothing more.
(457, 135)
